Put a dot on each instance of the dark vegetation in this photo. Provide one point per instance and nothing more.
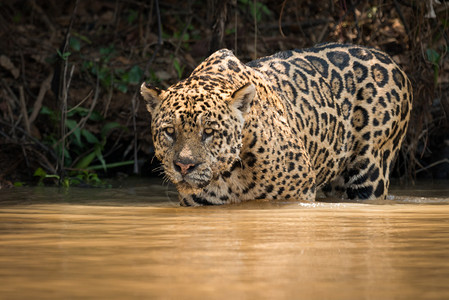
(70, 71)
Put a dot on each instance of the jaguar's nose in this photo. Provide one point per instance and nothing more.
(185, 166)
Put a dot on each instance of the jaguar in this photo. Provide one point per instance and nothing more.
(328, 119)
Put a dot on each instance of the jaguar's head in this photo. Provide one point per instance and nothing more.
(197, 128)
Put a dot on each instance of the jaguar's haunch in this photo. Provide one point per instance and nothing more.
(332, 117)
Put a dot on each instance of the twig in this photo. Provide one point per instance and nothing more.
(255, 29)
(401, 16)
(108, 100)
(134, 113)
(32, 139)
(280, 18)
(45, 86)
(323, 32)
(26, 122)
(235, 27)
(81, 102)
(445, 160)
(63, 92)
(83, 120)
(64, 111)
(159, 39)
(25, 155)
(11, 93)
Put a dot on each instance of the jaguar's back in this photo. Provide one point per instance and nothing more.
(351, 106)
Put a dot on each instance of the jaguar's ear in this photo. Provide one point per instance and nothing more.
(151, 96)
(242, 97)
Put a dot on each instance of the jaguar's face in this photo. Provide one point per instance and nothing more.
(197, 135)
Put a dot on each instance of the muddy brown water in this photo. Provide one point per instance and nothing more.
(135, 242)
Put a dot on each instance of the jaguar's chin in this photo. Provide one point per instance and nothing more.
(189, 187)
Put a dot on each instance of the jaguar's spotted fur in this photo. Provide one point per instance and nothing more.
(330, 117)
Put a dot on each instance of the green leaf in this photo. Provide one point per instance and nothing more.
(132, 16)
(75, 43)
(100, 156)
(90, 138)
(64, 55)
(108, 127)
(135, 75)
(82, 37)
(96, 116)
(71, 124)
(122, 87)
(40, 173)
(433, 56)
(84, 162)
(46, 111)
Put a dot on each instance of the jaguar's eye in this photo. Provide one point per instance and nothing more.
(208, 132)
(169, 131)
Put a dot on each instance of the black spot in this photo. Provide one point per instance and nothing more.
(320, 65)
(269, 188)
(226, 174)
(361, 53)
(289, 87)
(386, 118)
(250, 159)
(336, 84)
(346, 108)
(360, 71)
(380, 189)
(200, 200)
(360, 180)
(367, 136)
(382, 101)
(291, 167)
(250, 187)
(232, 65)
(360, 94)
(398, 77)
(382, 57)
(301, 82)
(235, 165)
(350, 83)
(339, 59)
(364, 149)
(374, 174)
(303, 65)
(253, 142)
(360, 193)
(261, 196)
(359, 118)
(281, 190)
(285, 70)
(380, 75)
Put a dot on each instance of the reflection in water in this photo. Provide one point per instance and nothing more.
(135, 242)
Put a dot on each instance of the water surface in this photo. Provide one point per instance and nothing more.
(135, 242)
